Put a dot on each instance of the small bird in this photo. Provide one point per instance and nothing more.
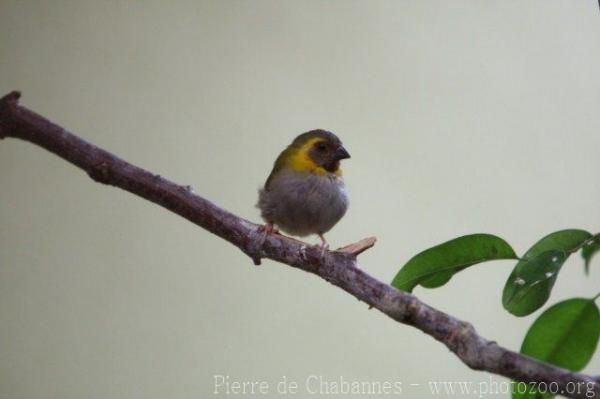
(305, 192)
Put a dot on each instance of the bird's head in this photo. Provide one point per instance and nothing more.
(317, 151)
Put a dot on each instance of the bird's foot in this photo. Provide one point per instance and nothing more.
(269, 228)
(258, 239)
(323, 246)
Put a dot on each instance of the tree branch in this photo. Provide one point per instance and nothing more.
(338, 267)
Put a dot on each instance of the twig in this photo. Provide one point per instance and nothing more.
(358, 247)
(338, 267)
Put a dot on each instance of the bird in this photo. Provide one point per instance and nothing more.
(305, 193)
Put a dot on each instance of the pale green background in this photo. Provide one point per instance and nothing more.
(461, 117)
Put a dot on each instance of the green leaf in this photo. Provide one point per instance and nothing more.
(565, 335)
(435, 266)
(529, 285)
(588, 252)
(522, 390)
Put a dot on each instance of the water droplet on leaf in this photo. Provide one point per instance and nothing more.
(519, 281)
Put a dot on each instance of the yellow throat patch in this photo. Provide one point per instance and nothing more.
(300, 160)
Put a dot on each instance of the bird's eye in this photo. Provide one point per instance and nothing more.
(321, 147)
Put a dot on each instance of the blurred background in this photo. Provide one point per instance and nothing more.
(461, 117)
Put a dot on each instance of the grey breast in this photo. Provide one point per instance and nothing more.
(303, 203)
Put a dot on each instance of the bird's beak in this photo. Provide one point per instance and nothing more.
(340, 153)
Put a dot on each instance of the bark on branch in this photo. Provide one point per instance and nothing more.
(338, 267)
